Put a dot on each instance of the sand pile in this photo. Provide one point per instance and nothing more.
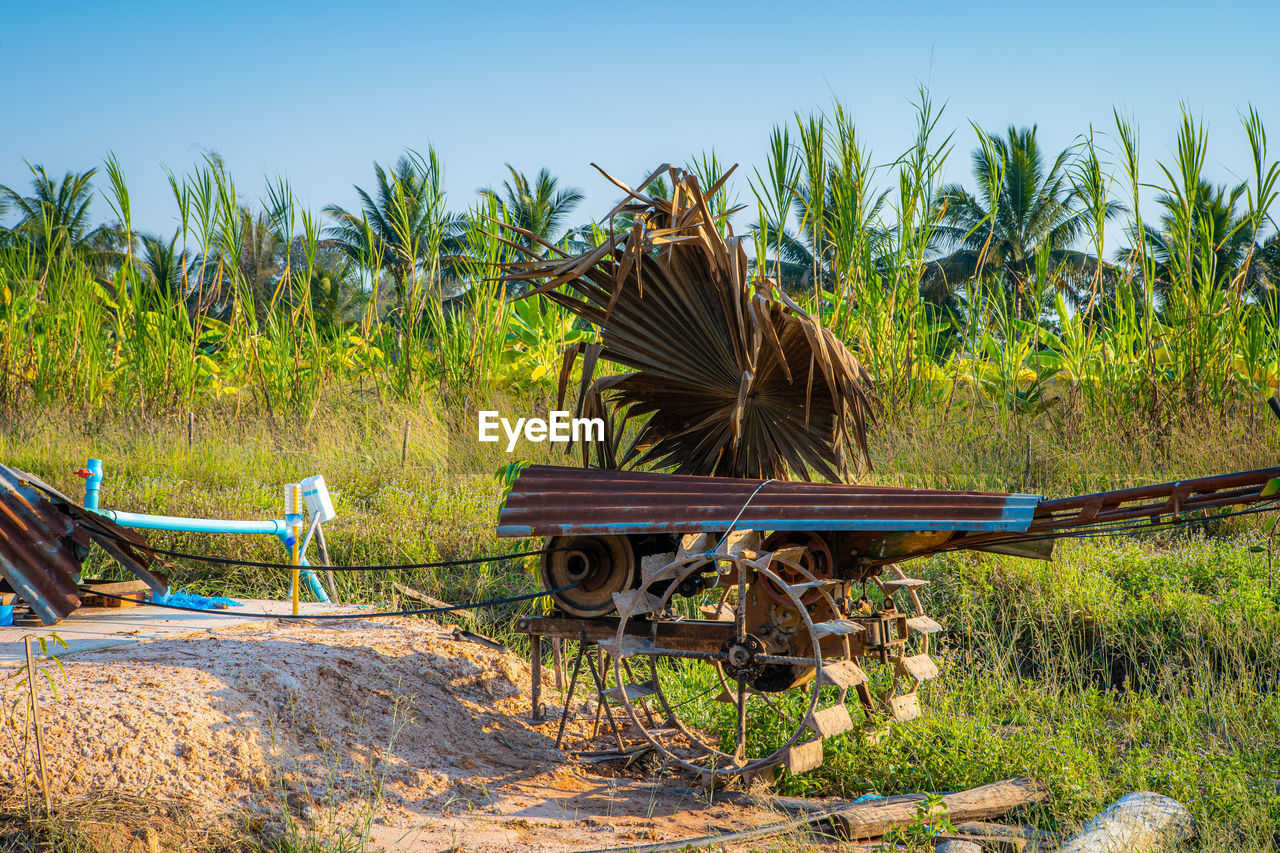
(242, 716)
(390, 729)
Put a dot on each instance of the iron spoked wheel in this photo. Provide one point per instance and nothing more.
(594, 566)
(717, 721)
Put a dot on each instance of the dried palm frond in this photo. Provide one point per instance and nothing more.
(725, 378)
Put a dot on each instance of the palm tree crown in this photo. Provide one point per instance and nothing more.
(1209, 244)
(540, 206)
(55, 217)
(1024, 205)
(402, 224)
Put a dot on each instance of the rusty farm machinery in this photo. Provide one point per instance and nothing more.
(745, 621)
(740, 614)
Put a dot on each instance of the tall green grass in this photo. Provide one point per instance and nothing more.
(1156, 310)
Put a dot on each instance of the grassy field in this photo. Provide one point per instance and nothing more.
(1138, 663)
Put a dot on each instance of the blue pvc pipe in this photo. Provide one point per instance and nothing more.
(92, 484)
(143, 521)
(278, 527)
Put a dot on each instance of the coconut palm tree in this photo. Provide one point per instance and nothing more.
(335, 294)
(55, 218)
(1024, 205)
(402, 226)
(1216, 225)
(261, 256)
(540, 206)
(165, 264)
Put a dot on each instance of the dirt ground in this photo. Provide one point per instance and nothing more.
(392, 729)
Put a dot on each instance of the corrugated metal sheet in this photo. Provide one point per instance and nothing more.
(547, 501)
(37, 548)
(41, 531)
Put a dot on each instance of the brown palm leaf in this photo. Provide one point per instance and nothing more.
(725, 379)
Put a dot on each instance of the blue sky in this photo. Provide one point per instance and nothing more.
(316, 92)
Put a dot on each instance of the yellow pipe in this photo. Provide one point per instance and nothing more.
(297, 573)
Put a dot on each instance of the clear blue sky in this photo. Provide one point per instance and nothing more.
(317, 91)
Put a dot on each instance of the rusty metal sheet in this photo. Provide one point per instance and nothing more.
(38, 548)
(1102, 509)
(1178, 496)
(44, 536)
(547, 500)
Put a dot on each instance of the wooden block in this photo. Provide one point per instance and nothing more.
(632, 692)
(803, 756)
(745, 543)
(763, 776)
(923, 625)
(656, 565)
(920, 667)
(717, 612)
(792, 556)
(903, 583)
(843, 673)
(802, 589)
(633, 602)
(694, 544)
(830, 721)
(905, 707)
(629, 646)
(836, 628)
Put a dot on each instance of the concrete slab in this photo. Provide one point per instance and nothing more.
(102, 627)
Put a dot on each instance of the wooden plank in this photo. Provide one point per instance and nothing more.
(873, 819)
(116, 587)
(132, 598)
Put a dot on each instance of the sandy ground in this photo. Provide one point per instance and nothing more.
(389, 728)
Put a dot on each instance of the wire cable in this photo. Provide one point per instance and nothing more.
(318, 616)
(738, 517)
(256, 564)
